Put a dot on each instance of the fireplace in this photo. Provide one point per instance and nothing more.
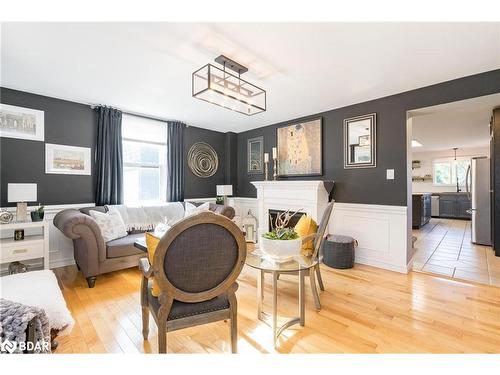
(273, 214)
(309, 197)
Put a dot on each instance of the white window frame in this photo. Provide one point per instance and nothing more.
(162, 168)
(451, 161)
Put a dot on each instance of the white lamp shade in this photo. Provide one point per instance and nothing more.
(225, 190)
(21, 192)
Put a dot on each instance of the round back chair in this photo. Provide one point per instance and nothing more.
(199, 258)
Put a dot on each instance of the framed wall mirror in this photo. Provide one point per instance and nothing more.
(360, 145)
(255, 155)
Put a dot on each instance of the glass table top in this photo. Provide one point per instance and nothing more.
(259, 261)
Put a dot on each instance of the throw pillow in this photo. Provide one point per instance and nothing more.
(305, 227)
(191, 209)
(110, 224)
(151, 243)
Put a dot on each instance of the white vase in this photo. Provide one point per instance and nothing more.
(280, 250)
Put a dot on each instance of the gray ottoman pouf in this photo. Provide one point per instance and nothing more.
(338, 251)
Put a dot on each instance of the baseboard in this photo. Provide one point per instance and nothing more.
(380, 264)
(62, 263)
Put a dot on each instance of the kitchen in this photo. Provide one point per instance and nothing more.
(451, 190)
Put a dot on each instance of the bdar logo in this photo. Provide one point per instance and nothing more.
(8, 346)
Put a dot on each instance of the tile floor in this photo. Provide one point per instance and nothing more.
(444, 247)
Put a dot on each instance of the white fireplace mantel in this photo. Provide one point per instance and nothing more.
(308, 196)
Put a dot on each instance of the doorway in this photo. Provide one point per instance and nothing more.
(449, 204)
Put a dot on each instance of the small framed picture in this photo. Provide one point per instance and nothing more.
(21, 123)
(255, 155)
(18, 234)
(61, 159)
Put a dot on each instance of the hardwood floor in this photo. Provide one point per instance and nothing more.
(365, 310)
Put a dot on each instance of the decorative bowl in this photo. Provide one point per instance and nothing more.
(280, 250)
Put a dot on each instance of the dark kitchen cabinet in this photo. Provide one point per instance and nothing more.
(454, 206)
(421, 206)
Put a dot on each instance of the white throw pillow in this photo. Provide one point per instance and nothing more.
(111, 225)
(191, 209)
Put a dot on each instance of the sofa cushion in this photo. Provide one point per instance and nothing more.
(110, 224)
(183, 310)
(124, 246)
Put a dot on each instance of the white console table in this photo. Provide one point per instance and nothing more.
(35, 244)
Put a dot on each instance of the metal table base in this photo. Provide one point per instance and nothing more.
(265, 317)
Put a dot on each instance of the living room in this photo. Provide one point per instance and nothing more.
(203, 187)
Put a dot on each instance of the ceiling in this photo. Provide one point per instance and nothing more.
(462, 124)
(306, 68)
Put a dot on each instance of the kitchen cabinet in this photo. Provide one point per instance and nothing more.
(454, 206)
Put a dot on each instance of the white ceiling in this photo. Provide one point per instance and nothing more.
(305, 68)
(462, 124)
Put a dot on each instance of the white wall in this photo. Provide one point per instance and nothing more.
(426, 159)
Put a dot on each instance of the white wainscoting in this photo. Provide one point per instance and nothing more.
(241, 208)
(61, 247)
(380, 231)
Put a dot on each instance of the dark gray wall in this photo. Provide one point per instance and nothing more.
(75, 124)
(369, 185)
(196, 187)
(66, 123)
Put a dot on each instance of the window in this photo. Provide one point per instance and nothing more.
(144, 169)
(446, 171)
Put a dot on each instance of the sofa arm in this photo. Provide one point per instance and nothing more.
(224, 210)
(81, 227)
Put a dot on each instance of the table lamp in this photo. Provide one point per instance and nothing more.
(20, 194)
(225, 191)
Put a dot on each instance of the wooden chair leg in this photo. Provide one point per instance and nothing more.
(145, 322)
(320, 279)
(314, 290)
(234, 330)
(162, 337)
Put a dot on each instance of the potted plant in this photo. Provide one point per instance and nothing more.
(281, 243)
(37, 215)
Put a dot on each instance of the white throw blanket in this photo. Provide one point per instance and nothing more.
(40, 289)
(145, 218)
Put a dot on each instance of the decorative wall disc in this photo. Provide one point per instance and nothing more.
(203, 160)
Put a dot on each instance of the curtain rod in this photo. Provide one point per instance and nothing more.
(138, 114)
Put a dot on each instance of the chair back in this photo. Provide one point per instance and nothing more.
(200, 257)
(323, 225)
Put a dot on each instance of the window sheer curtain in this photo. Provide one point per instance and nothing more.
(175, 161)
(109, 157)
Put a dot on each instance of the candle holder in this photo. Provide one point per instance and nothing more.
(266, 171)
(275, 174)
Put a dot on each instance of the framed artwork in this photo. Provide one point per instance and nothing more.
(255, 155)
(360, 146)
(61, 159)
(300, 149)
(21, 123)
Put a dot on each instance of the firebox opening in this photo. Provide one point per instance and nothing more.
(274, 213)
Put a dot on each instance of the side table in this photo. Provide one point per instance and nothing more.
(33, 246)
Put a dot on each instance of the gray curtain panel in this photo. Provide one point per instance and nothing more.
(109, 157)
(175, 161)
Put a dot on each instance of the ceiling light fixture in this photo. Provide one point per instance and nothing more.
(225, 89)
(415, 143)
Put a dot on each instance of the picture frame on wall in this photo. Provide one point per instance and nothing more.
(62, 159)
(255, 155)
(360, 141)
(22, 123)
(300, 148)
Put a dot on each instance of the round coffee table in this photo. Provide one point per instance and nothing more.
(299, 265)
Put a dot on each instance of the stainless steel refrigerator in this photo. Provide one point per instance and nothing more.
(478, 189)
